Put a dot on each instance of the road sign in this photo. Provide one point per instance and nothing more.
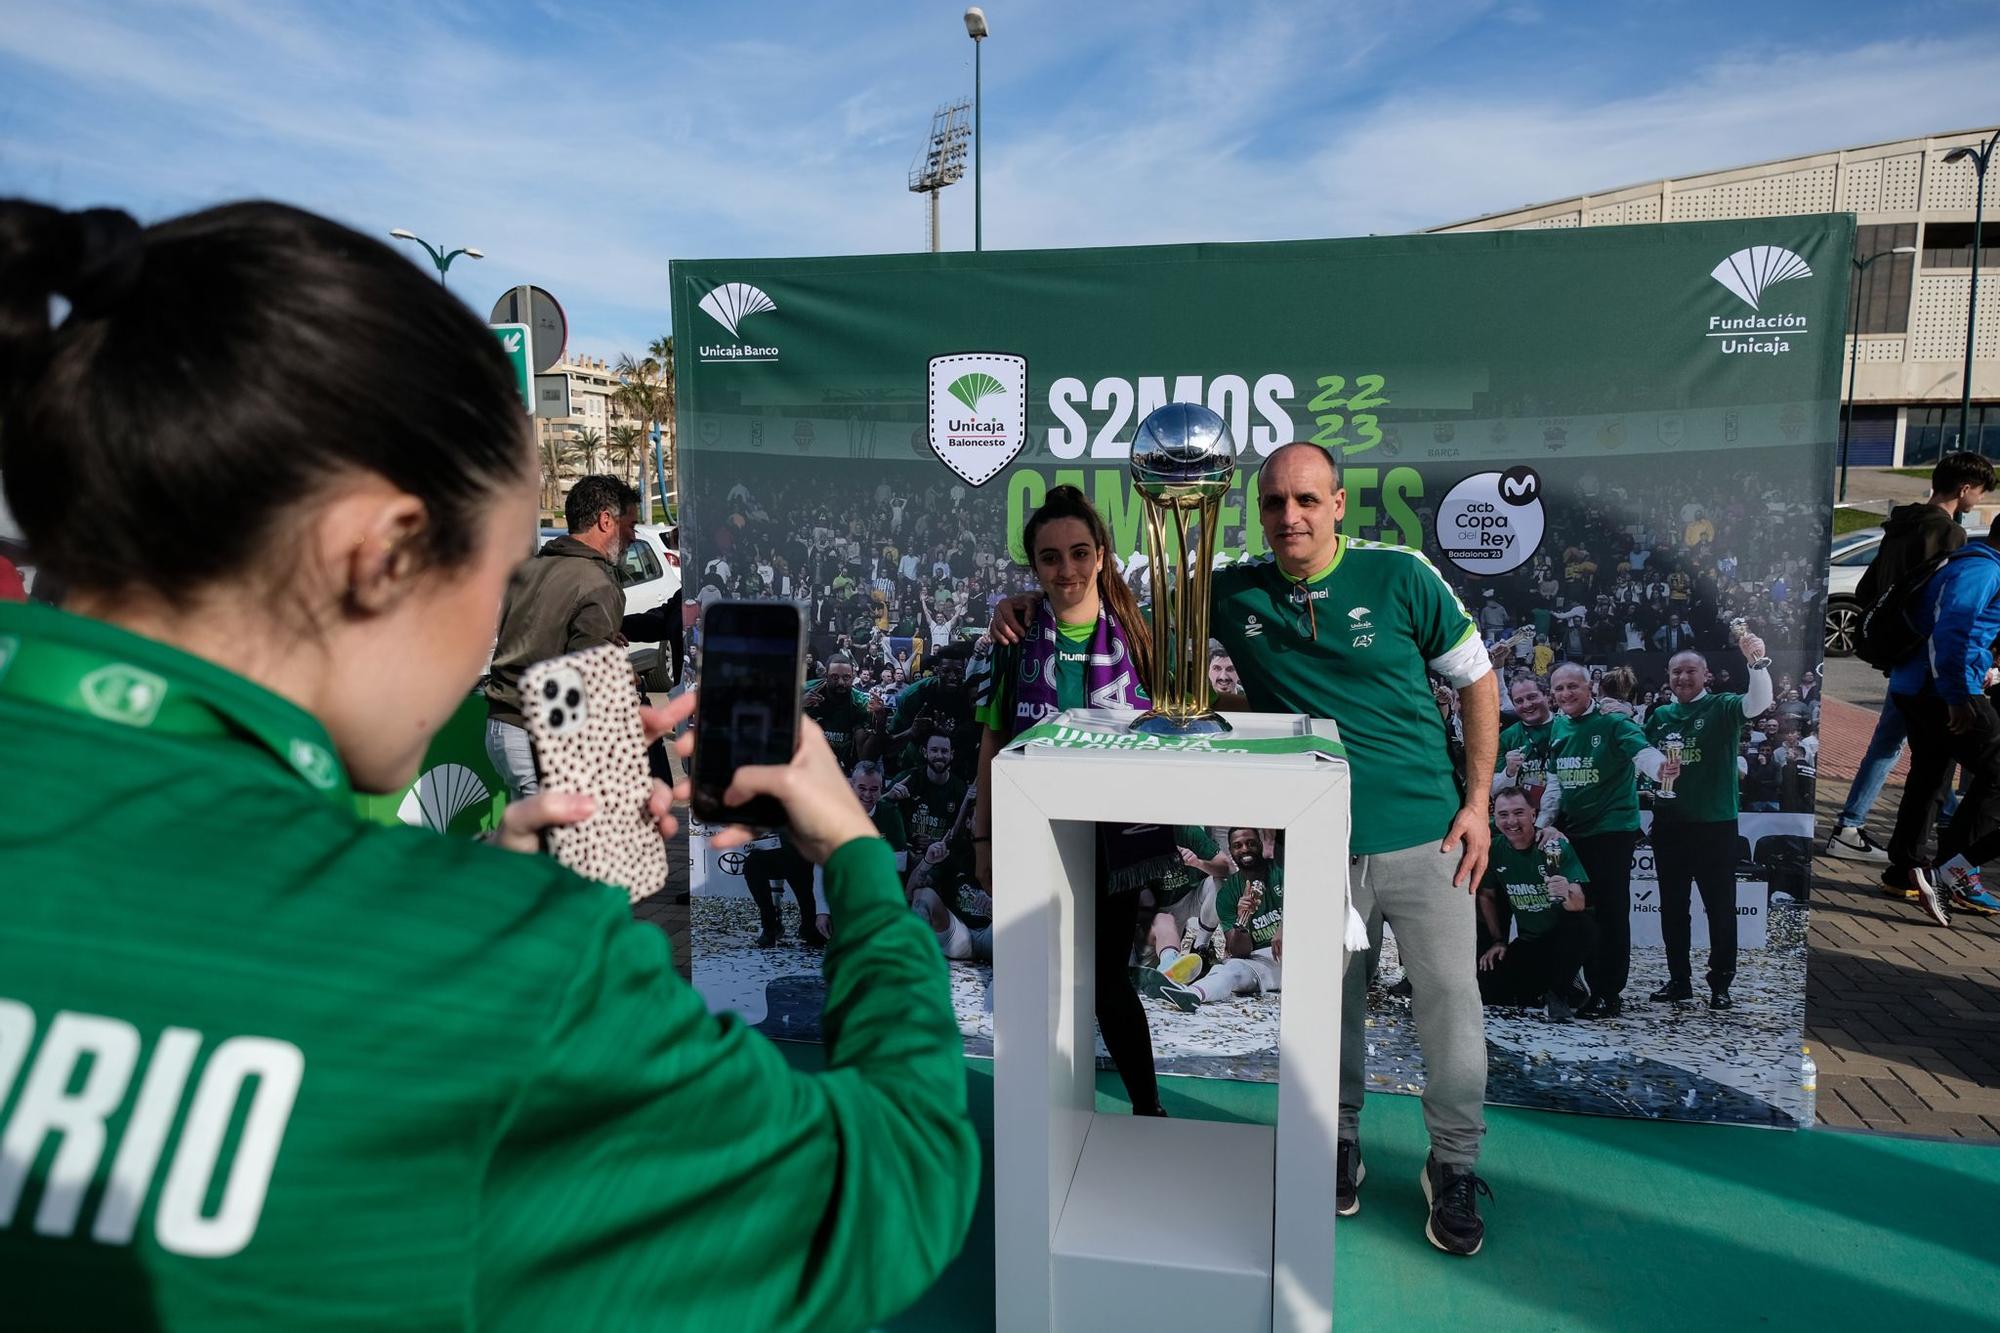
(514, 341)
(540, 312)
(552, 396)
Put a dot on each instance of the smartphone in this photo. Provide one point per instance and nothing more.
(582, 714)
(753, 679)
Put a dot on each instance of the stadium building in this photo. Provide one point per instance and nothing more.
(1909, 312)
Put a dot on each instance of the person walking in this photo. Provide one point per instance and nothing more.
(1913, 537)
(1420, 832)
(1940, 691)
(283, 1067)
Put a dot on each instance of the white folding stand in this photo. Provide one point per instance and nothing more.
(1095, 1221)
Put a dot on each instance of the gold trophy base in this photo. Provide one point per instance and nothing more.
(1157, 723)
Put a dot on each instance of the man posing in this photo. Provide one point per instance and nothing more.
(1249, 944)
(1419, 844)
(1524, 745)
(1694, 830)
(1941, 693)
(1541, 883)
(1595, 758)
(1915, 535)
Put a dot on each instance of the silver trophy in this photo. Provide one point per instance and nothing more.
(1182, 463)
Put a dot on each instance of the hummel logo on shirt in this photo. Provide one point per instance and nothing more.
(1251, 627)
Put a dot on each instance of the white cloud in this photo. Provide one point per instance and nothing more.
(585, 166)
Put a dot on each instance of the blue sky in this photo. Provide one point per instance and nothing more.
(582, 146)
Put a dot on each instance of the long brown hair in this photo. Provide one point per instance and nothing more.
(1069, 502)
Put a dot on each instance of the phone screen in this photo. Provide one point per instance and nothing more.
(752, 675)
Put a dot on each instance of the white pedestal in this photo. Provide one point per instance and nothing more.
(1094, 1222)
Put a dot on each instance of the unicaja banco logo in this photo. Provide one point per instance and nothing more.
(1749, 275)
(978, 412)
(729, 304)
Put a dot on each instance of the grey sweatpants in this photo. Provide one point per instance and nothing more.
(1435, 935)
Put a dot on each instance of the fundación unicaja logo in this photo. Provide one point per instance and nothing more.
(730, 304)
(978, 410)
(1749, 275)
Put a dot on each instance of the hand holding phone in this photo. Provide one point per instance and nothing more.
(582, 715)
(749, 710)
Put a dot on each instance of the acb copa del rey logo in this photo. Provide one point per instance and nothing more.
(732, 304)
(978, 412)
(1751, 275)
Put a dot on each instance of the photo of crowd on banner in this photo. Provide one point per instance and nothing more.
(1652, 809)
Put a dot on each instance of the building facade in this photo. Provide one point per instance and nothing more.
(1908, 312)
(565, 440)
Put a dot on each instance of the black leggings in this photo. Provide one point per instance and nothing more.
(1120, 1016)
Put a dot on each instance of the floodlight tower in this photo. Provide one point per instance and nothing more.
(942, 161)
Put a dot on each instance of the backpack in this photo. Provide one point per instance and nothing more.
(1887, 638)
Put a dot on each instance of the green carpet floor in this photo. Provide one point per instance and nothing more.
(1608, 1224)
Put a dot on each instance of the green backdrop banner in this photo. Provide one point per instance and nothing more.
(1613, 441)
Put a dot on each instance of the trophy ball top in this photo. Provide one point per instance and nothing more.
(1182, 453)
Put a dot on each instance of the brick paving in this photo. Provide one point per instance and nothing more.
(1903, 1017)
(668, 910)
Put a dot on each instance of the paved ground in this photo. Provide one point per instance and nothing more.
(1903, 1017)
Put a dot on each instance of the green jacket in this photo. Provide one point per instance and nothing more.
(317, 1073)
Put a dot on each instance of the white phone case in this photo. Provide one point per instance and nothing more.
(583, 720)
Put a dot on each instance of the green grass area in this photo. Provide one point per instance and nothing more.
(1921, 472)
(1601, 1225)
(1847, 520)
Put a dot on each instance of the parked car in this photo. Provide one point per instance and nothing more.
(650, 574)
(1850, 557)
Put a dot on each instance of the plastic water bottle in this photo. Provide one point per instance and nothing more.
(1809, 1085)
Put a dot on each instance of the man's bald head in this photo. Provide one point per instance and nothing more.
(1307, 455)
(1300, 503)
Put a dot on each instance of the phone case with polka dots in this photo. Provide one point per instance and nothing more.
(583, 719)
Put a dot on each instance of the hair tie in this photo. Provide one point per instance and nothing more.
(110, 252)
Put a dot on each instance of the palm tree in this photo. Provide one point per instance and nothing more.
(559, 454)
(588, 442)
(622, 449)
(647, 392)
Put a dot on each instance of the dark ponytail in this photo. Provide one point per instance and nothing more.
(214, 374)
(1069, 502)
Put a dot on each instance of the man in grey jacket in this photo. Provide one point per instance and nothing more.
(564, 599)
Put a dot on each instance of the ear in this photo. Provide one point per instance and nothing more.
(1339, 503)
(382, 563)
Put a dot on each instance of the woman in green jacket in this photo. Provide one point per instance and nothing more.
(264, 1065)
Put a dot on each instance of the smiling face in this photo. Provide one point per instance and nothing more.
(1516, 819)
(937, 756)
(1530, 704)
(867, 784)
(1687, 676)
(1572, 687)
(1300, 502)
(1067, 561)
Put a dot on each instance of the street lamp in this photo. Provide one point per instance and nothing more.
(975, 28)
(1853, 349)
(438, 257)
(1980, 157)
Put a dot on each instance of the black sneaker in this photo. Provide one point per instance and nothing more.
(1673, 993)
(1557, 1005)
(1452, 1192)
(1348, 1175)
(1719, 999)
